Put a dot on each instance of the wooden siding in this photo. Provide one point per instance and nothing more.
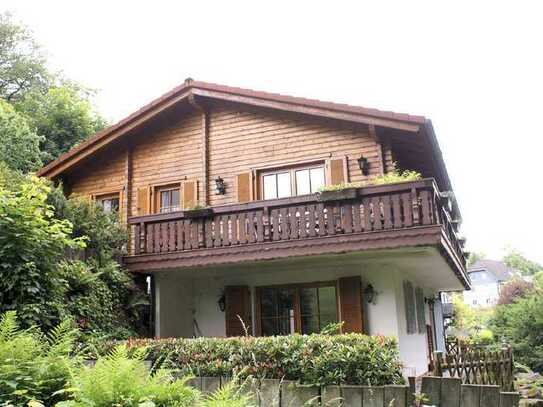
(240, 141)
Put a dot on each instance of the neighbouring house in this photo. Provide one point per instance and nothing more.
(487, 278)
(219, 189)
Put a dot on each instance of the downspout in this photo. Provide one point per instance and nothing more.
(205, 147)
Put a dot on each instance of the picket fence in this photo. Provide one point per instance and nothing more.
(439, 392)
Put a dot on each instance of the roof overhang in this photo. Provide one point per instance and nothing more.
(202, 90)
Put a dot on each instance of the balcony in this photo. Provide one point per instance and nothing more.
(371, 218)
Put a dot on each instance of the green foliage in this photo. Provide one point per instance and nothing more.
(22, 64)
(474, 257)
(469, 322)
(517, 261)
(40, 227)
(521, 324)
(230, 395)
(34, 366)
(19, 144)
(311, 359)
(32, 243)
(62, 116)
(120, 380)
(391, 177)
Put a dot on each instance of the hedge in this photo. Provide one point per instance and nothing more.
(310, 359)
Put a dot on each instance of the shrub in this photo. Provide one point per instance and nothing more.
(391, 177)
(513, 290)
(311, 359)
(120, 380)
(34, 366)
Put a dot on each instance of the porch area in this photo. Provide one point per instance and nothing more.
(377, 292)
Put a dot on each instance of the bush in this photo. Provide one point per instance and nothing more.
(513, 290)
(34, 366)
(311, 359)
(120, 380)
(392, 177)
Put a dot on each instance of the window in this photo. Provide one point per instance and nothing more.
(306, 308)
(290, 182)
(168, 198)
(109, 202)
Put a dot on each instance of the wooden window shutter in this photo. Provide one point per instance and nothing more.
(122, 205)
(245, 187)
(421, 314)
(350, 300)
(336, 171)
(410, 313)
(238, 305)
(190, 194)
(143, 201)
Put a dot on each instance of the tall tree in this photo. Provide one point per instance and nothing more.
(19, 144)
(22, 63)
(63, 116)
(516, 260)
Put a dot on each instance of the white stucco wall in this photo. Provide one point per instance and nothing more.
(187, 301)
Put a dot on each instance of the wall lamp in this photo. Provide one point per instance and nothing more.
(222, 302)
(220, 186)
(370, 294)
(364, 165)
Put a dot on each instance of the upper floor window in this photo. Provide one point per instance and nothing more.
(109, 203)
(290, 182)
(168, 198)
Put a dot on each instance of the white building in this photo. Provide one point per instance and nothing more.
(487, 277)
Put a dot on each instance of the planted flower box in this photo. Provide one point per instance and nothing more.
(198, 213)
(339, 195)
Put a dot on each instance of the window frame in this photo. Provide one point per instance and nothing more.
(98, 197)
(156, 198)
(291, 169)
(297, 302)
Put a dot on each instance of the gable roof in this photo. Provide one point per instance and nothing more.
(498, 269)
(190, 89)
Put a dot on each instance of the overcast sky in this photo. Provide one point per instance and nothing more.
(474, 67)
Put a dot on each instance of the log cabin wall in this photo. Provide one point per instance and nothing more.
(243, 140)
(240, 140)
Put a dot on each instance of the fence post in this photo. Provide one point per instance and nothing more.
(509, 399)
(470, 395)
(450, 392)
(431, 387)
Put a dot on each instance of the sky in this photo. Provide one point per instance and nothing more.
(474, 68)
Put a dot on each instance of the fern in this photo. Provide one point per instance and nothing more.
(8, 326)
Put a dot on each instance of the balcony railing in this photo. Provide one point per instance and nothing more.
(362, 210)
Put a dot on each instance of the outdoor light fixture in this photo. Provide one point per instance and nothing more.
(370, 294)
(364, 165)
(220, 186)
(222, 303)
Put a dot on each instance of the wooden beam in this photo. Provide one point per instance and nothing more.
(312, 111)
(128, 183)
(204, 111)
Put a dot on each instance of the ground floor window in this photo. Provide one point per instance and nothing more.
(109, 202)
(302, 308)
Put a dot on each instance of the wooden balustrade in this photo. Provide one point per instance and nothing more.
(373, 209)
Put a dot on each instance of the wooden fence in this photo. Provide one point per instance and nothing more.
(476, 365)
(442, 392)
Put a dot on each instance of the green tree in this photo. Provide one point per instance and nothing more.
(32, 243)
(22, 63)
(517, 261)
(19, 144)
(474, 257)
(63, 116)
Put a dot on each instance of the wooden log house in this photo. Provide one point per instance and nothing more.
(219, 189)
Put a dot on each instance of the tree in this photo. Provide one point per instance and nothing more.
(19, 144)
(474, 257)
(32, 243)
(513, 290)
(63, 117)
(22, 63)
(517, 261)
(521, 324)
